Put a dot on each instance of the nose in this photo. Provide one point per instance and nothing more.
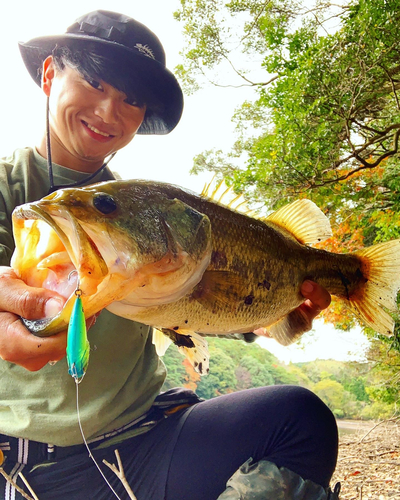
(108, 110)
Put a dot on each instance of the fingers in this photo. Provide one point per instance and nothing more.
(92, 321)
(262, 332)
(318, 298)
(19, 346)
(300, 319)
(29, 302)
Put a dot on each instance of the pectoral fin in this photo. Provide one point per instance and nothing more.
(219, 290)
(161, 341)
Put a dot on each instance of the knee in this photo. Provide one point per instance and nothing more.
(308, 435)
(303, 410)
(302, 399)
(311, 418)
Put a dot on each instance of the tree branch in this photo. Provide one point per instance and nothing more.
(393, 86)
(394, 419)
(257, 17)
(119, 472)
(35, 497)
(249, 84)
(14, 485)
(365, 163)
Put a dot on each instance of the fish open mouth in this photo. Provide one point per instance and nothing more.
(53, 251)
(143, 258)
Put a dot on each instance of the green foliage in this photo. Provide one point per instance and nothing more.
(298, 373)
(234, 365)
(356, 386)
(331, 392)
(351, 390)
(338, 413)
(176, 370)
(325, 124)
(378, 411)
(258, 372)
(327, 113)
(222, 375)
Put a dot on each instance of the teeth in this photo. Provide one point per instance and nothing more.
(98, 131)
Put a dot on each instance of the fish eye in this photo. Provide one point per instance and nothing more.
(104, 203)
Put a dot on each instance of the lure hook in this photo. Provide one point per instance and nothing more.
(71, 273)
(78, 291)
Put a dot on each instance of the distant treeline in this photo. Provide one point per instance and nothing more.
(350, 389)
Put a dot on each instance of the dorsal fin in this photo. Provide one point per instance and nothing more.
(304, 220)
(222, 194)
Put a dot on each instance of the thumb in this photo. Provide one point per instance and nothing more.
(29, 302)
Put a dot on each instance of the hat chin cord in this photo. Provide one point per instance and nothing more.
(50, 163)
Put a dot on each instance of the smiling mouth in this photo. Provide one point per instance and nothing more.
(97, 131)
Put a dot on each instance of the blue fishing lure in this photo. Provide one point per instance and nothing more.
(78, 347)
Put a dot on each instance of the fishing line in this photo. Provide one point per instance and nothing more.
(86, 444)
(78, 349)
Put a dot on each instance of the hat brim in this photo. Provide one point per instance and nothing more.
(160, 82)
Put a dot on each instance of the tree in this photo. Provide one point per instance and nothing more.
(327, 116)
(221, 379)
(259, 373)
(173, 360)
(331, 393)
(352, 390)
(325, 121)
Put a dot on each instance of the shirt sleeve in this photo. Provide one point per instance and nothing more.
(6, 235)
(12, 193)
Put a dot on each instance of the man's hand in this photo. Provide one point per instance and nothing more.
(300, 319)
(17, 344)
(317, 299)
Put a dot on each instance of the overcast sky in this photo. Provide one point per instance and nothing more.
(206, 121)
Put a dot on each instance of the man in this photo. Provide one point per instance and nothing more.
(105, 80)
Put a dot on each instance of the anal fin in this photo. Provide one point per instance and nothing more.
(192, 345)
(290, 328)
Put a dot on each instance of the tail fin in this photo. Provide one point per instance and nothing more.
(380, 264)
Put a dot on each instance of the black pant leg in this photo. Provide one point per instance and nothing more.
(287, 425)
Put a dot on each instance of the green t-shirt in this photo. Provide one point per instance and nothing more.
(124, 374)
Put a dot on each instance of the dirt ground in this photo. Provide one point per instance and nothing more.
(369, 462)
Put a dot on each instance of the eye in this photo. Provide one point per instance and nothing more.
(104, 203)
(132, 100)
(94, 83)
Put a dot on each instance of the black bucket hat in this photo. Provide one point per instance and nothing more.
(129, 41)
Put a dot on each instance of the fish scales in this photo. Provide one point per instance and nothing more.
(260, 269)
(190, 266)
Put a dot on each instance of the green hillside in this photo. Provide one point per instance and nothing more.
(350, 389)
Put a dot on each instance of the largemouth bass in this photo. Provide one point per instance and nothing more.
(189, 265)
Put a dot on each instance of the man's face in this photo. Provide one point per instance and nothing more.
(89, 119)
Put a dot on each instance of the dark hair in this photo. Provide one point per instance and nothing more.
(92, 65)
